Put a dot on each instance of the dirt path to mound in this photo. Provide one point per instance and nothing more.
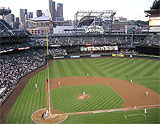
(134, 94)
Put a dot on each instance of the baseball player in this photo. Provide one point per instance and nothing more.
(35, 85)
(59, 83)
(147, 93)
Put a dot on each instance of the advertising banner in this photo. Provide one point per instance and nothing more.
(118, 55)
(98, 48)
(23, 48)
(74, 57)
(95, 55)
(58, 57)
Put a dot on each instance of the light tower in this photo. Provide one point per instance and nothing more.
(4, 11)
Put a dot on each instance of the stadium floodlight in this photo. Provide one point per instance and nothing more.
(81, 15)
(4, 11)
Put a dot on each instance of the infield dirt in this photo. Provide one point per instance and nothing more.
(134, 94)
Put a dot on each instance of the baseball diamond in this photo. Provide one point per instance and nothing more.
(109, 90)
(100, 67)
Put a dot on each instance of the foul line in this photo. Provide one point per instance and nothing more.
(114, 110)
(125, 116)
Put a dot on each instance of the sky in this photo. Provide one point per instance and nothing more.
(130, 9)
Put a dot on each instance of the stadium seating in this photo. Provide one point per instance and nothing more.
(21, 55)
(5, 25)
(7, 31)
(71, 41)
(17, 64)
(153, 40)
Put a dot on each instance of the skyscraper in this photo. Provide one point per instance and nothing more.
(30, 15)
(39, 13)
(59, 10)
(22, 18)
(9, 19)
(52, 9)
(16, 23)
(17, 19)
(50, 6)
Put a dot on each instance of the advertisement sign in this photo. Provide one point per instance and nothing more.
(98, 48)
(95, 55)
(58, 57)
(154, 21)
(9, 50)
(54, 45)
(118, 55)
(74, 56)
(23, 48)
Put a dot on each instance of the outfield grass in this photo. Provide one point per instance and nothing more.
(133, 117)
(144, 72)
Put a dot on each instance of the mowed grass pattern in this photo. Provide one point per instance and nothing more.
(102, 97)
(144, 72)
(134, 117)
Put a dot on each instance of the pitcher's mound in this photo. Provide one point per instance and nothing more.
(86, 96)
(54, 118)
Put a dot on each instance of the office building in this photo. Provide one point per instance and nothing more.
(59, 10)
(39, 13)
(52, 9)
(30, 15)
(9, 19)
(16, 23)
(22, 18)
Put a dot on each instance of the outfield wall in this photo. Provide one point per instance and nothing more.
(148, 50)
(50, 57)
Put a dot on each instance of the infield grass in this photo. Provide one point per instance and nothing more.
(102, 97)
(144, 72)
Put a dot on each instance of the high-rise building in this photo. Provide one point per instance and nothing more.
(16, 23)
(50, 6)
(22, 18)
(9, 19)
(59, 10)
(30, 15)
(52, 9)
(12, 17)
(39, 13)
(17, 19)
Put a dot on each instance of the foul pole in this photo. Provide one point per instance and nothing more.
(49, 99)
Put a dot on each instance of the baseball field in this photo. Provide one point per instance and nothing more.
(97, 71)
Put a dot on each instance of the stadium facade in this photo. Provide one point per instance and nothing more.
(154, 17)
(23, 53)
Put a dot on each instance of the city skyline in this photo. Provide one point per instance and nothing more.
(130, 9)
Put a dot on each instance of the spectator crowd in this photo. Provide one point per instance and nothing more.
(17, 64)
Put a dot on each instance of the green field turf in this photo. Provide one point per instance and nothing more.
(102, 97)
(144, 72)
(133, 117)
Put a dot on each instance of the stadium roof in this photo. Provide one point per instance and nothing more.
(45, 17)
(156, 4)
(42, 18)
(154, 11)
(4, 11)
(155, 8)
